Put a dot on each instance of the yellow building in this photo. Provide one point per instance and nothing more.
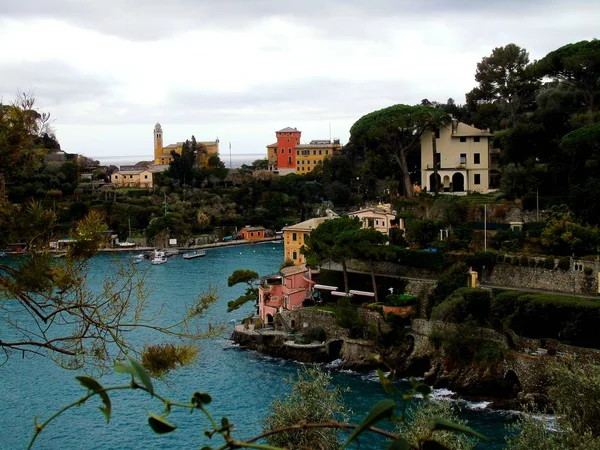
(163, 156)
(462, 159)
(140, 178)
(294, 237)
(308, 156)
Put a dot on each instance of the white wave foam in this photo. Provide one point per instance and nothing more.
(336, 363)
(477, 406)
(441, 394)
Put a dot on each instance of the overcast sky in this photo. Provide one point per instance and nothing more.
(240, 69)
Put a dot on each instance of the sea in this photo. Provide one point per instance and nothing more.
(242, 383)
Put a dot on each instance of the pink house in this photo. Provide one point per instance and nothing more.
(284, 291)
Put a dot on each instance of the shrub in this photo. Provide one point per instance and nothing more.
(507, 260)
(516, 260)
(465, 304)
(564, 263)
(346, 316)
(549, 263)
(463, 344)
(541, 263)
(531, 262)
(258, 324)
(588, 271)
(312, 399)
(481, 259)
(569, 319)
(451, 280)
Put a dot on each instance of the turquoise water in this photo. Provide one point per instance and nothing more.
(242, 383)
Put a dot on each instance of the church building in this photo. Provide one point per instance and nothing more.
(163, 156)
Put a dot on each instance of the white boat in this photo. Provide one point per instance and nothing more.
(138, 259)
(126, 244)
(194, 254)
(158, 258)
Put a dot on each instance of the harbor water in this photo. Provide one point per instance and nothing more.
(242, 383)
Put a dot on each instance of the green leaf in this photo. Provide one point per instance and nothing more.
(224, 423)
(93, 385)
(399, 444)
(443, 424)
(141, 373)
(383, 409)
(159, 424)
(386, 384)
(433, 445)
(124, 368)
(201, 398)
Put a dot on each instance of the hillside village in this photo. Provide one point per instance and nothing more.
(439, 235)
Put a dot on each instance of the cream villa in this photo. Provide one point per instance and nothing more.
(462, 159)
(380, 217)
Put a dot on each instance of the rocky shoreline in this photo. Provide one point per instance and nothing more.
(509, 383)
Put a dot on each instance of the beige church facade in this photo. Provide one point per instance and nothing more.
(163, 155)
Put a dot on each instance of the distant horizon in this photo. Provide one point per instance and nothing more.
(236, 159)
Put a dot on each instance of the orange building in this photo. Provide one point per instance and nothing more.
(282, 154)
(252, 233)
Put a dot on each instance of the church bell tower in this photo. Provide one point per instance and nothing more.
(158, 144)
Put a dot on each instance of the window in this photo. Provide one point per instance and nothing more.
(463, 139)
(477, 179)
(377, 222)
(463, 158)
(437, 133)
(308, 161)
(289, 159)
(320, 152)
(476, 158)
(275, 150)
(315, 161)
(145, 177)
(288, 140)
(252, 233)
(295, 255)
(383, 223)
(438, 160)
(297, 152)
(294, 238)
(290, 150)
(327, 152)
(131, 176)
(298, 169)
(314, 152)
(283, 150)
(476, 139)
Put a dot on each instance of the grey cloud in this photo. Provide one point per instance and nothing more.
(154, 19)
(53, 82)
(314, 99)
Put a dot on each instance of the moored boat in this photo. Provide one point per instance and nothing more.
(159, 257)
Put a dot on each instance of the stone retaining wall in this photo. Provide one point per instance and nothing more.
(573, 281)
